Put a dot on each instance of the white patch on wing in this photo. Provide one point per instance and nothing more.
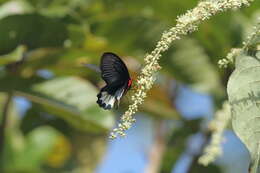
(119, 93)
(106, 100)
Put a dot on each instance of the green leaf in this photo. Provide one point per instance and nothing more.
(28, 153)
(74, 100)
(17, 30)
(25, 153)
(38, 144)
(14, 56)
(244, 96)
(166, 10)
(62, 62)
(20, 6)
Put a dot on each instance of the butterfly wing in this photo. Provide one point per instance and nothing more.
(113, 69)
(114, 72)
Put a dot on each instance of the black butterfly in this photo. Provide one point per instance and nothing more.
(114, 72)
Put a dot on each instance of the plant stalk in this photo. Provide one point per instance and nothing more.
(4, 122)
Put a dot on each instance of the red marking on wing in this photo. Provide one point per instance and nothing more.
(129, 83)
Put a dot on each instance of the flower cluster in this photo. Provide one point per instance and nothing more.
(223, 63)
(251, 39)
(186, 23)
(253, 36)
(217, 126)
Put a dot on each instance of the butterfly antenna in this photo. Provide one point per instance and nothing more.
(92, 67)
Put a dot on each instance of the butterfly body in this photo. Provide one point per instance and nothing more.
(114, 72)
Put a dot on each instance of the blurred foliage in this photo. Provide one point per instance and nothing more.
(43, 44)
(207, 78)
(12, 57)
(72, 99)
(17, 30)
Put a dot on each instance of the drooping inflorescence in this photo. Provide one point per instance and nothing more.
(217, 126)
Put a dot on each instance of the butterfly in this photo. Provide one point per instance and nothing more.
(115, 73)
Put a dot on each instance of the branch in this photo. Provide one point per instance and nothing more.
(158, 148)
(4, 121)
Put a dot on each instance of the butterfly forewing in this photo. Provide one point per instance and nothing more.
(113, 69)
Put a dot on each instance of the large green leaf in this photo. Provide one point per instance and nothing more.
(244, 96)
(72, 99)
(32, 30)
(116, 30)
(14, 7)
(25, 153)
(58, 7)
(28, 153)
(163, 10)
(62, 61)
